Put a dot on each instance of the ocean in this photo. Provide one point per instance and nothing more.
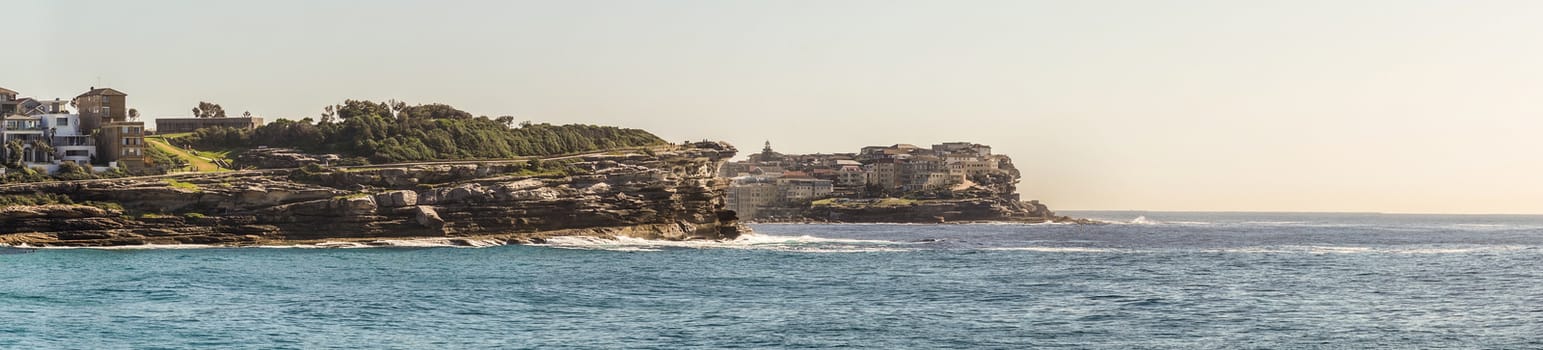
(1144, 281)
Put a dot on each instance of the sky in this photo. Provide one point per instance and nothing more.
(1396, 106)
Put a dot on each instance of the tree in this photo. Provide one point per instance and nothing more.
(367, 130)
(13, 151)
(435, 111)
(133, 113)
(356, 108)
(247, 114)
(396, 107)
(208, 110)
(43, 147)
(327, 114)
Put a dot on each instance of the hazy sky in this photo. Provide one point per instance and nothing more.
(1388, 106)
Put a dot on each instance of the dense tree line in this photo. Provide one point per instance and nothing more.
(394, 132)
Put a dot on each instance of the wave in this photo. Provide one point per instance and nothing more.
(1143, 220)
(122, 247)
(398, 243)
(1061, 249)
(381, 243)
(752, 241)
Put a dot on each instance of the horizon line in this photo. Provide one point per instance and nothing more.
(1294, 212)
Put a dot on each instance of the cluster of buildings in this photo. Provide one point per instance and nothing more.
(97, 134)
(93, 130)
(771, 181)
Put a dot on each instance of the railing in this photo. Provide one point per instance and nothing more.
(25, 128)
(73, 141)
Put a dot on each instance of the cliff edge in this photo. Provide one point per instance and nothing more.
(667, 193)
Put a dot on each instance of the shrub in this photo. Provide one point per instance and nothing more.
(72, 171)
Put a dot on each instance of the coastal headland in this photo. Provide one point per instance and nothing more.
(950, 182)
(374, 173)
(662, 192)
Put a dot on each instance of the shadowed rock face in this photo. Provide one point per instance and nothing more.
(664, 195)
(939, 211)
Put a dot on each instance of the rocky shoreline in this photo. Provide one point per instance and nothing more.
(669, 194)
(666, 194)
(950, 211)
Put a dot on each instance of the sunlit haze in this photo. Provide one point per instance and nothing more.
(1377, 106)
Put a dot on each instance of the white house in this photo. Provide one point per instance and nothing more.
(70, 144)
(58, 130)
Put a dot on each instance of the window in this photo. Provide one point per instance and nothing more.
(63, 122)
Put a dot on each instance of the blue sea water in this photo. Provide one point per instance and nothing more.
(1149, 281)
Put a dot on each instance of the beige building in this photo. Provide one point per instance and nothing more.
(748, 194)
(884, 174)
(101, 106)
(803, 189)
(124, 143)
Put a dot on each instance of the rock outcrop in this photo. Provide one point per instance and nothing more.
(930, 211)
(663, 194)
(280, 158)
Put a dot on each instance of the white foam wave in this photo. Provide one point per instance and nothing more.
(431, 242)
(122, 247)
(749, 241)
(1143, 220)
(382, 243)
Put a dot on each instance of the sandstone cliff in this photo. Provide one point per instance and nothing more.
(655, 194)
(892, 210)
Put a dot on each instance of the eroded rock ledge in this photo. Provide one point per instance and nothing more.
(660, 194)
(930, 211)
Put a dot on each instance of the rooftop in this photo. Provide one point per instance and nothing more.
(103, 92)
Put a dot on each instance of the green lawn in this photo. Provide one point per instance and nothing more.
(199, 163)
(173, 136)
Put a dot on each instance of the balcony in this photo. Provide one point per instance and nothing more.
(24, 127)
(63, 141)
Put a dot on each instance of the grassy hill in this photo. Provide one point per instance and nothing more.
(375, 132)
